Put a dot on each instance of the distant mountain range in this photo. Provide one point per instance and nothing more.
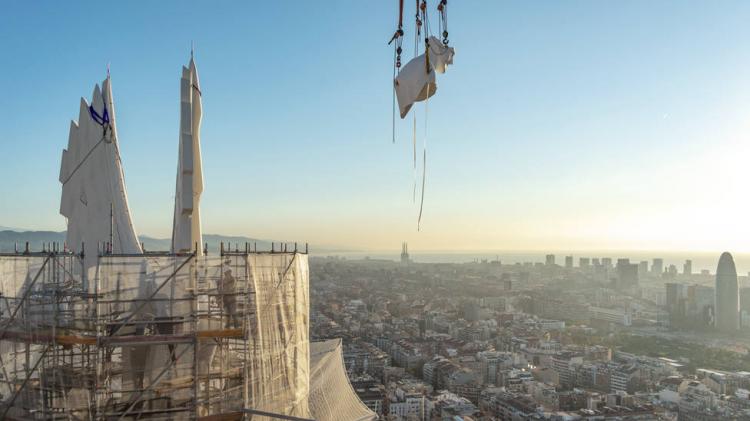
(10, 237)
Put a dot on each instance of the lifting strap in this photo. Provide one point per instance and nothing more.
(102, 120)
(424, 161)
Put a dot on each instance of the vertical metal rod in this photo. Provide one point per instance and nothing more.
(111, 226)
(26, 380)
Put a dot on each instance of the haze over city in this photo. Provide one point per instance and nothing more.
(591, 126)
(350, 211)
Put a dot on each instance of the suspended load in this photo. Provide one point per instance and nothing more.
(186, 228)
(94, 200)
(416, 80)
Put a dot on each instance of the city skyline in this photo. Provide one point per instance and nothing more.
(623, 142)
(569, 198)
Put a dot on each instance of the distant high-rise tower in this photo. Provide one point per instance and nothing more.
(675, 298)
(642, 268)
(727, 303)
(404, 253)
(584, 262)
(549, 260)
(627, 274)
(657, 267)
(569, 262)
(687, 268)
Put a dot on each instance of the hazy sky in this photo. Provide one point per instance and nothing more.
(562, 125)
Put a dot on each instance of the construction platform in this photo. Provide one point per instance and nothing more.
(155, 336)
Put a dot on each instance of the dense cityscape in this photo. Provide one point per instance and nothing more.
(581, 338)
(159, 263)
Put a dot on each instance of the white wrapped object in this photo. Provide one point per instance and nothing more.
(94, 199)
(186, 229)
(414, 82)
(440, 55)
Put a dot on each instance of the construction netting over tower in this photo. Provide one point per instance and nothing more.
(123, 334)
(155, 336)
(164, 336)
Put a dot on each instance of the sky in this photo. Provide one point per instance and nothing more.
(582, 125)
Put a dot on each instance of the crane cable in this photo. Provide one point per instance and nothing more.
(443, 12)
(421, 19)
(425, 21)
(417, 34)
(398, 37)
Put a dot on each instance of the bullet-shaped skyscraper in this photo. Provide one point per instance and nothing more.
(727, 303)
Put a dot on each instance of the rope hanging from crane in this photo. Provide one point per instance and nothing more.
(398, 37)
(416, 81)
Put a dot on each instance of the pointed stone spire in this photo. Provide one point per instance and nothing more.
(94, 199)
(186, 229)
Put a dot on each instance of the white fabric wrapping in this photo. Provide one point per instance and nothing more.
(440, 55)
(332, 397)
(186, 229)
(94, 198)
(276, 370)
(279, 343)
(414, 82)
(16, 277)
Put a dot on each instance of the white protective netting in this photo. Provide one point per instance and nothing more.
(146, 325)
(279, 354)
(166, 337)
(36, 305)
(331, 396)
(18, 277)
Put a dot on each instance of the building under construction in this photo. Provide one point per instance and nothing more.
(165, 336)
(113, 332)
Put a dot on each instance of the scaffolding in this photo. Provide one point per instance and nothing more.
(156, 336)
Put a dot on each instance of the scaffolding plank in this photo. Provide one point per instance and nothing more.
(229, 416)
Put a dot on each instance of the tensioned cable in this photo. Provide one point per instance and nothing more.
(82, 161)
(102, 120)
(393, 105)
(424, 158)
(417, 34)
(425, 21)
